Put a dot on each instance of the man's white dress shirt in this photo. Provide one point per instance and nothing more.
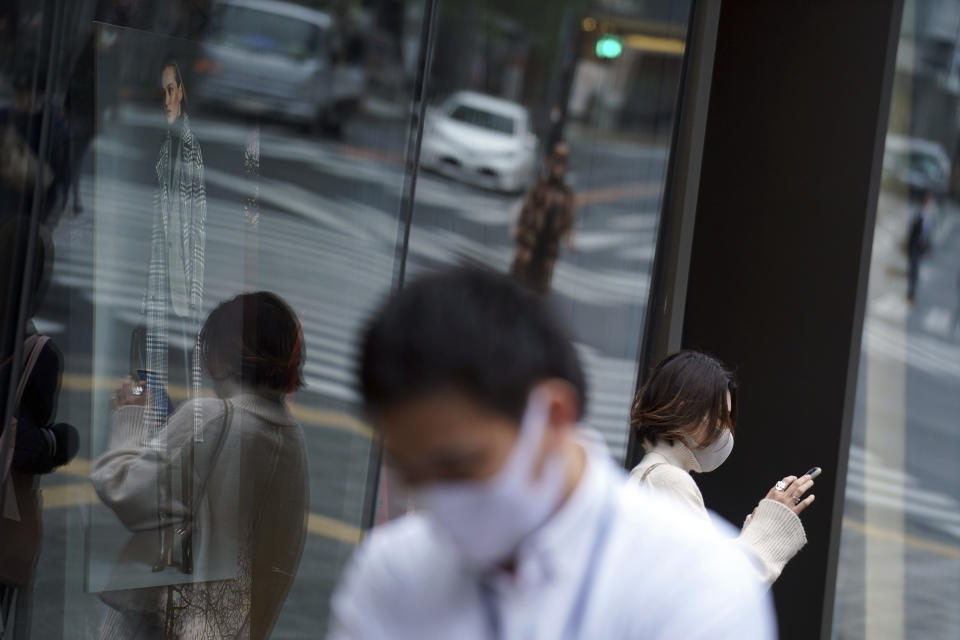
(614, 562)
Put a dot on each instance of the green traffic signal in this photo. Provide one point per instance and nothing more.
(609, 46)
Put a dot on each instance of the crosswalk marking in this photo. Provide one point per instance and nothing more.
(923, 352)
(868, 479)
(938, 320)
(351, 247)
(348, 252)
(891, 306)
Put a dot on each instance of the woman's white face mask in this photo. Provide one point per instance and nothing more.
(714, 455)
(488, 520)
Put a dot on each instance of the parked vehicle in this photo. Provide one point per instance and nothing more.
(482, 140)
(917, 164)
(278, 59)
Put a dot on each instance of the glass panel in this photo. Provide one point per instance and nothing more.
(198, 151)
(508, 81)
(899, 567)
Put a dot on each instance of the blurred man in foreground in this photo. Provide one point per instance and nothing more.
(527, 529)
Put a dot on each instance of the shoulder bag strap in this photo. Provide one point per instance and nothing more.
(646, 472)
(32, 347)
(190, 497)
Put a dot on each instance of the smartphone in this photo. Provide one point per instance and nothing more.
(162, 396)
(814, 472)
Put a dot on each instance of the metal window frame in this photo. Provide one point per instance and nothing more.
(663, 325)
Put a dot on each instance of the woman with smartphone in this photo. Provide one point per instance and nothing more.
(685, 415)
(238, 504)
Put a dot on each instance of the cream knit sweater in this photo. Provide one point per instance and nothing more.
(773, 534)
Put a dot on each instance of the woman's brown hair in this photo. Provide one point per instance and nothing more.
(685, 390)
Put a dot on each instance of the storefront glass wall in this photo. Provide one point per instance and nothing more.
(162, 158)
(899, 567)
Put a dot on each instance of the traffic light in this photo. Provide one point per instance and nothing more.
(609, 46)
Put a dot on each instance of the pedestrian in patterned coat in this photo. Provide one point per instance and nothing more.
(545, 219)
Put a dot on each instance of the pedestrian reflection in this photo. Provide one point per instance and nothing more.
(236, 492)
(919, 236)
(545, 219)
(32, 443)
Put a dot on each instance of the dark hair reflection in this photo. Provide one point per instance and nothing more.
(264, 350)
(225, 556)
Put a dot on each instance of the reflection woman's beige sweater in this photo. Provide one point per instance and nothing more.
(773, 534)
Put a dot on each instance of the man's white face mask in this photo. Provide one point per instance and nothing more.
(488, 520)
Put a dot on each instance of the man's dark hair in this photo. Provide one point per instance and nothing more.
(467, 329)
(254, 338)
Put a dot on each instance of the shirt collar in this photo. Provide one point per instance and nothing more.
(560, 546)
(677, 453)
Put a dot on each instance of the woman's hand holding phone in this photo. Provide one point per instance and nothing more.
(790, 491)
(129, 392)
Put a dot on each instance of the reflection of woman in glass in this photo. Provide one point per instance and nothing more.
(240, 509)
(174, 297)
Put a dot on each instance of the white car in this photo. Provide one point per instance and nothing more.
(919, 165)
(482, 140)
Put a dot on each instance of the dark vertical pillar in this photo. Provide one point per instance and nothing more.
(780, 254)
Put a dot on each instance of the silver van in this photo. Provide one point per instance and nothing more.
(277, 59)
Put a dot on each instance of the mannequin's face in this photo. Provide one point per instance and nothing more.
(172, 95)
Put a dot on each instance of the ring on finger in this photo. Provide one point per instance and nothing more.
(780, 486)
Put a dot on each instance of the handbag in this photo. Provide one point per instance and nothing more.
(20, 525)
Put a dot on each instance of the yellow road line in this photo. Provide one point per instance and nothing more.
(335, 529)
(77, 468)
(907, 540)
(329, 419)
(602, 195)
(303, 414)
(82, 494)
(69, 495)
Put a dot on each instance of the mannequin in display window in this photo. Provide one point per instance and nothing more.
(174, 297)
